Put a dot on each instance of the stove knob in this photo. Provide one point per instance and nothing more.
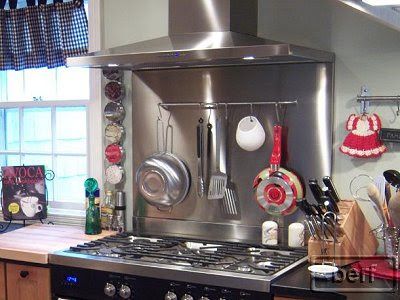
(124, 291)
(109, 290)
(204, 298)
(170, 296)
(187, 297)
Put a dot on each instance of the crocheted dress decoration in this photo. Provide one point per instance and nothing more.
(363, 140)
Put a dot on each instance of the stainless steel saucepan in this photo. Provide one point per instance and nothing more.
(163, 179)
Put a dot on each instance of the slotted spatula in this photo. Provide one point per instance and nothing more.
(218, 179)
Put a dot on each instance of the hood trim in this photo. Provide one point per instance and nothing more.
(200, 49)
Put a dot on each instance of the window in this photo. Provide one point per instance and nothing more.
(43, 120)
(45, 117)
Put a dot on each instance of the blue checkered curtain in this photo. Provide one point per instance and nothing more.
(43, 35)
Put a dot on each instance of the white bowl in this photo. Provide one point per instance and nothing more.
(323, 271)
(250, 134)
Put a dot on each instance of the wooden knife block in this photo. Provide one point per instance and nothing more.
(354, 237)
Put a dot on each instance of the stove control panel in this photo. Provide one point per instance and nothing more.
(68, 282)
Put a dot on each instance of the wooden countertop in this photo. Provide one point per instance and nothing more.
(34, 243)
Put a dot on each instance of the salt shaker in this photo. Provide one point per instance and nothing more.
(296, 235)
(269, 233)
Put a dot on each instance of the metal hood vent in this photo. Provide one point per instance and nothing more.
(204, 33)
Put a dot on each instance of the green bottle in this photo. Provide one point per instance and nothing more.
(93, 223)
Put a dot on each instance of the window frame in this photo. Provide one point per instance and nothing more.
(93, 106)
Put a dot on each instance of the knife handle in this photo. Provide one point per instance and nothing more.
(332, 201)
(199, 141)
(329, 184)
(316, 190)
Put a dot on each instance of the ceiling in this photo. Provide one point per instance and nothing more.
(387, 15)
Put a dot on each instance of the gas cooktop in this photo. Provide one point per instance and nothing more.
(234, 265)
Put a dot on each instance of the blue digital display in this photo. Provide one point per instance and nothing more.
(71, 279)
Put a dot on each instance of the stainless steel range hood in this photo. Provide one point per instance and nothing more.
(204, 33)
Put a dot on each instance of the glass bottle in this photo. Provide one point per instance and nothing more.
(92, 225)
(107, 211)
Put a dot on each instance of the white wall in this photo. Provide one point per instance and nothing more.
(366, 51)
(130, 21)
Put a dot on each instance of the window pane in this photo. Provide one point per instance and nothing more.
(15, 86)
(45, 160)
(40, 83)
(9, 127)
(72, 83)
(71, 136)
(37, 130)
(10, 160)
(70, 175)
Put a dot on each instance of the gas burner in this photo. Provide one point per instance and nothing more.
(245, 269)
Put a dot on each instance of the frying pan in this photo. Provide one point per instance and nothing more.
(276, 189)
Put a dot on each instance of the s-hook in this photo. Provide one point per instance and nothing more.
(251, 112)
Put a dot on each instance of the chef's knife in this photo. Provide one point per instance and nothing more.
(200, 145)
(330, 204)
(329, 184)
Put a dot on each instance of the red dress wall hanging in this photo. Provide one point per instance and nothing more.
(363, 139)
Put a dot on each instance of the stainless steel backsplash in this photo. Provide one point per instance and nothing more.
(309, 142)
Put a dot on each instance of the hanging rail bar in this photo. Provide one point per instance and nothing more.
(377, 98)
(215, 105)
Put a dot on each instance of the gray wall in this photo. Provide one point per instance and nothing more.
(367, 53)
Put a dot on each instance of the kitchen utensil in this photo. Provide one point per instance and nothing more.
(358, 187)
(374, 195)
(276, 189)
(114, 91)
(391, 239)
(331, 201)
(200, 166)
(250, 134)
(114, 133)
(230, 204)
(394, 209)
(327, 180)
(114, 112)
(393, 177)
(316, 190)
(218, 179)
(163, 179)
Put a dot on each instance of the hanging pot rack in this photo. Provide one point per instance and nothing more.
(216, 105)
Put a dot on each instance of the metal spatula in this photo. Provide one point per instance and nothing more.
(230, 205)
(218, 179)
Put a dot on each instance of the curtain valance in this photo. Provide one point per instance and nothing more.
(41, 35)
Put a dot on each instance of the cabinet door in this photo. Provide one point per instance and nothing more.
(28, 282)
(2, 281)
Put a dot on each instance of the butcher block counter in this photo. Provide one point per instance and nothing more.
(34, 243)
